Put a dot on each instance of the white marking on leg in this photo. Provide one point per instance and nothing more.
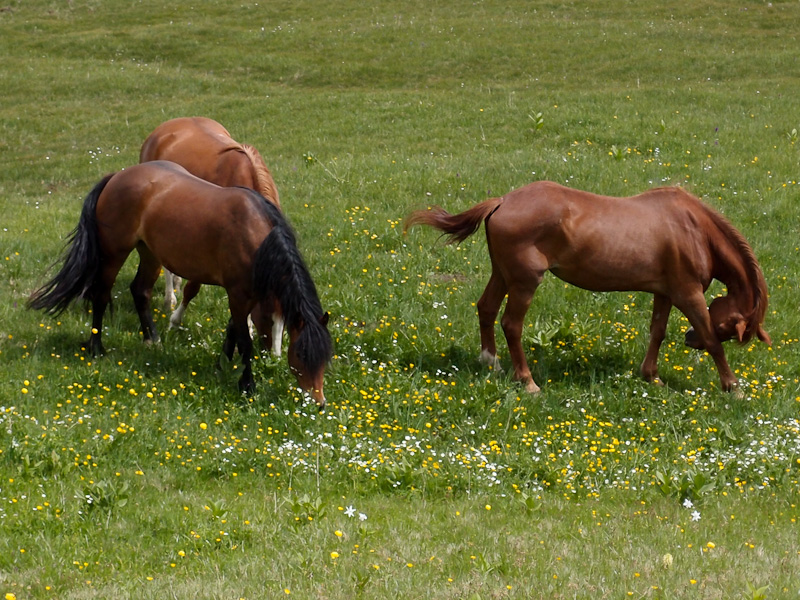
(277, 334)
(489, 359)
(177, 316)
(251, 327)
(169, 291)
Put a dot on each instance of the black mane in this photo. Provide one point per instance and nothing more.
(280, 271)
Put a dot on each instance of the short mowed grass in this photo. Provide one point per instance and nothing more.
(145, 474)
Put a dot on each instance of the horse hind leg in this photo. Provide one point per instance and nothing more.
(488, 308)
(142, 291)
(101, 298)
(172, 286)
(662, 306)
(519, 300)
(190, 290)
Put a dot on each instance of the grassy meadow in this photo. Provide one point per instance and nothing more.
(144, 474)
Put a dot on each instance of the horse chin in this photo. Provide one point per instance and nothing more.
(692, 340)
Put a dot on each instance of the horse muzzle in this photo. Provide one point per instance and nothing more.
(693, 340)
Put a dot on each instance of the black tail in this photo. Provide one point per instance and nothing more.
(82, 260)
(279, 271)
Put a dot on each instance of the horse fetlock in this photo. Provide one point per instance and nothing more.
(94, 347)
(650, 375)
(247, 385)
(176, 318)
(731, 385)
(490, 360)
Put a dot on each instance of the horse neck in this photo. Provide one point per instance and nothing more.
(736, 266)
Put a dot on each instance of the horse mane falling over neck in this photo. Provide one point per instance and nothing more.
(264, 183)
(754, 287)
(281, 272)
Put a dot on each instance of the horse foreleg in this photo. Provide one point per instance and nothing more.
(662, 306)
(268, 326)
(142, 292)
(238, 329)
(696, 311)
(229, 343)
(519, 300)
(488, 307)
(190, 290)
(277, 329)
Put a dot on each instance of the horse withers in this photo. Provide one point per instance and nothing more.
(230, 237)
(664, 241)
(206, 149)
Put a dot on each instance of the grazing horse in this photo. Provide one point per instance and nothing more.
(206, 149)
(664, 241)
(228, 237)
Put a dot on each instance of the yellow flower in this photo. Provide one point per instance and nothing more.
(10, 596)
(338, 533)
(334, 555)
(488, 507)
(203, 426)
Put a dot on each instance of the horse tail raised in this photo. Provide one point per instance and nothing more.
(280, 272)
(457, 227)
(82, 261)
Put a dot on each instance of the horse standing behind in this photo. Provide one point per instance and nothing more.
(206, 149)
(664, 241)
(228, 237)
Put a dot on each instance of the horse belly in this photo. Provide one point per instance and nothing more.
(614, 272)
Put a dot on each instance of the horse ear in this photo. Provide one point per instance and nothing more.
(741, 327)
(324, 319)
(764, 336)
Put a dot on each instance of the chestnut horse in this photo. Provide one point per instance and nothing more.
(664, 241)
(206, 149)
(228, 237)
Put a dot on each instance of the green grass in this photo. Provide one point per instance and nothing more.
(144, 474)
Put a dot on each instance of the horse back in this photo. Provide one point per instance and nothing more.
(196, 229)
(196, 143)
(646, 242)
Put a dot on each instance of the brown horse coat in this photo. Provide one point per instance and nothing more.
(664, 241)
(228, 237)
(206, 149)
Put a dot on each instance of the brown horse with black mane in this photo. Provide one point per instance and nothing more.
(664, 241)
(230, 237)
(206, 149)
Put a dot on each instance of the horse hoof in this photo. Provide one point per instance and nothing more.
(532, 388)
(247, 387)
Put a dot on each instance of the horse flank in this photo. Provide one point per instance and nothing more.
(457, 227)
(265, 184)
(280, 271)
